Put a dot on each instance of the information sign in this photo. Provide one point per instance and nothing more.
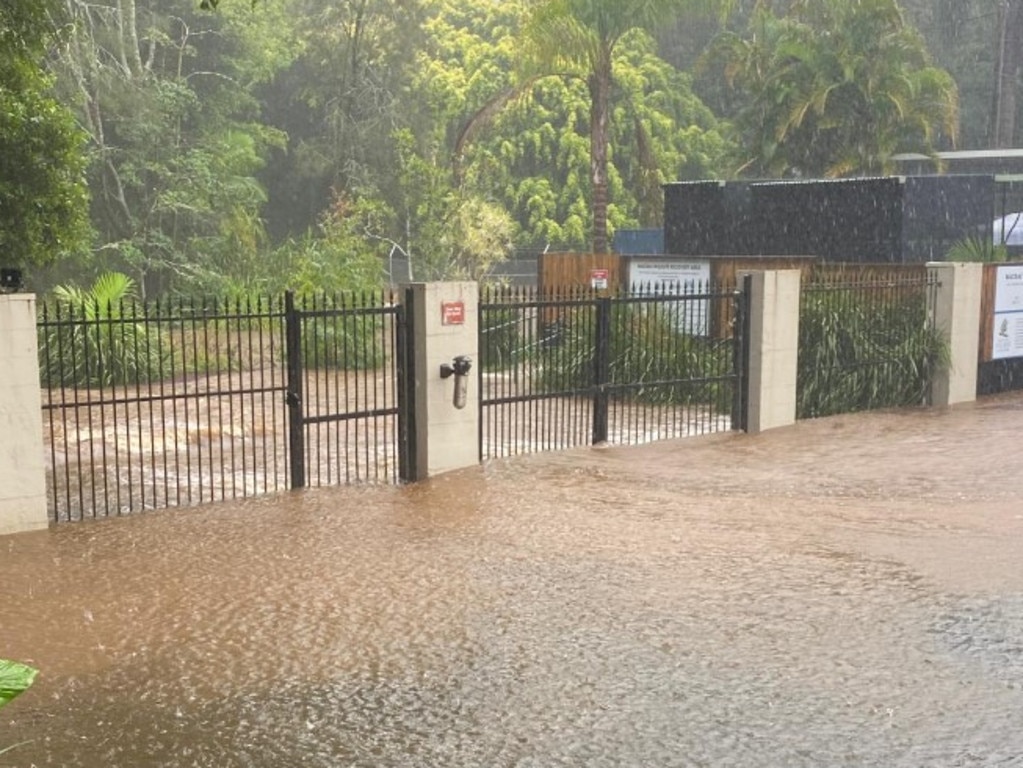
(676, 276)
(1008, 323)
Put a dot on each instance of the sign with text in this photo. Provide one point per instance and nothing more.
(676, 276)
(598, 279)
(1008, 328)
(452, 313)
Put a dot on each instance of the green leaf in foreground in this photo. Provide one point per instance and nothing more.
(14, 679)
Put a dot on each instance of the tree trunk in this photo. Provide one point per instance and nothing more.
(600, 137)
(1008, 60)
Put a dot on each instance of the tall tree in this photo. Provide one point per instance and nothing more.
(1008, 68)
(166, 95)
(836, 88)
(578, 39)
(43, 200)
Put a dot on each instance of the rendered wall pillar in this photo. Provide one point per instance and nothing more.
(774, 349)
(446, 437)
(22, 464)
(956, 306)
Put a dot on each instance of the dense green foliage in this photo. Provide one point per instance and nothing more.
(834, 89)
(864, 349)
(42, 192)
(977, 249)
(320, 145)
(651, 353)
(100, 337)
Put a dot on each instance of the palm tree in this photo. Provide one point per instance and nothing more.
(836, 88)
(577, 39)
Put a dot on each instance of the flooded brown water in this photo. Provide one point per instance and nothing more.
(847, 591)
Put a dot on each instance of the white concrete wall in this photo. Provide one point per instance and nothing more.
(957, 302)
(447, 438)
(774, 349)
(22, 464)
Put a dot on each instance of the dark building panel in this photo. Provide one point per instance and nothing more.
(889, 220)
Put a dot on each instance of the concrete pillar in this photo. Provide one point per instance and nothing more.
(774, 349)
(22, 463)
(445, 319)
(956, 306)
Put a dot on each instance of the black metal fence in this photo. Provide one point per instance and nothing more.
(174, 403)
(866, 341)
(345, 388)
(563, 369)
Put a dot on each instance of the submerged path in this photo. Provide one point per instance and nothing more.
(847, 591)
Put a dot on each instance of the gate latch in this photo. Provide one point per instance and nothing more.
(459, 368)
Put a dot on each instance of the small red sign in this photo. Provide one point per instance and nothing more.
(452, 313)
(598, 279)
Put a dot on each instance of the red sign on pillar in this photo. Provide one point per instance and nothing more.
(452, 313)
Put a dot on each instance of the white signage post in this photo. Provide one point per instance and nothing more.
(1008, 328)
(676, 277)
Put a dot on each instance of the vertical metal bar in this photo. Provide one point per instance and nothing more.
(162, 359)
(220, 464)
(741, 352)
(76, 385)
(277, 327)
(333, 366)
(200, 365)
(391, 380)
(172, 315)
(293, 398)
(245, 371)
(230, 393)
(408, 457)
(147, 324)
(601, 369)
(260, 464)
(484, 357)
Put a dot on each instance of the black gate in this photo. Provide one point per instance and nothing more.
(148, 405)
(345, 389)
(562, 369)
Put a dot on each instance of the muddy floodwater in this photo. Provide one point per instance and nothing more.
(844, 592)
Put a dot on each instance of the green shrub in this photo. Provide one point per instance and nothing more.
(857, 354)
(658, 360)
(343, 335)
(500, 339)
(977, 249)
(98, 337)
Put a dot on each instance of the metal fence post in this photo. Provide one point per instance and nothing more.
(293, 396)
(601, 371)
(741, 350)
(404, 352)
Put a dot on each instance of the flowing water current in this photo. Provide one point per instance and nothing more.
(844, 592)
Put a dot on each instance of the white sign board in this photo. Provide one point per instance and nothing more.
(676, 276)
(1008, 330)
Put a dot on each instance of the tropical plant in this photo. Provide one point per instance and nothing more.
(835, 89)
(651, 351)
(578, 39)
(98, 336)
(15, 679)
(864, 350)
(977, 249)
